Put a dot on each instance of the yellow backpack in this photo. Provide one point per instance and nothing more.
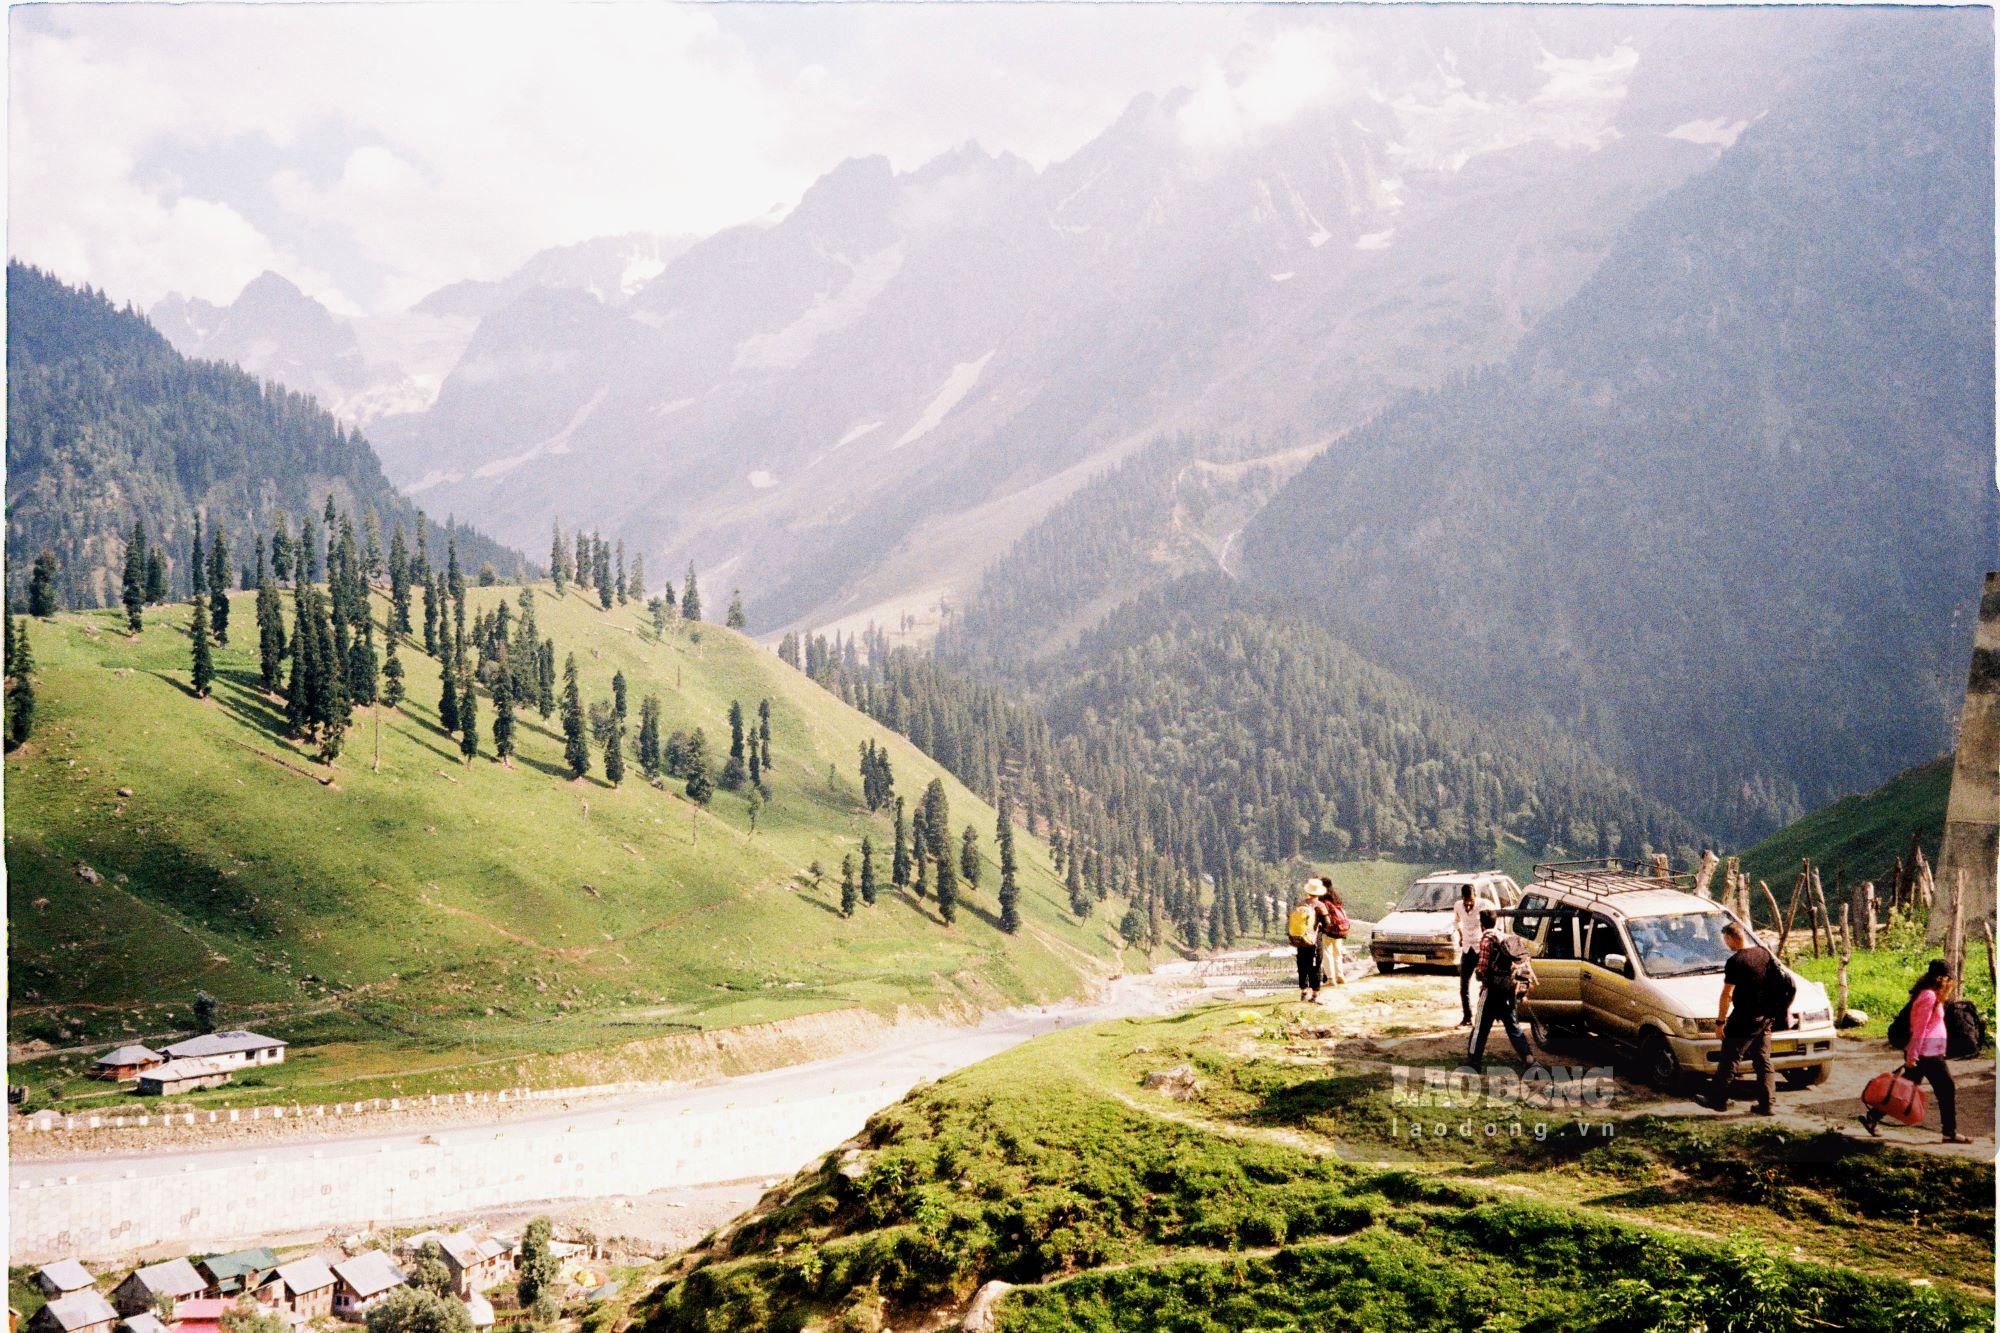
(1302, 926)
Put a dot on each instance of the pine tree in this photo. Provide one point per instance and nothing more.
(281, 550)
(135, 578)
(937, 821)
(21, 697)
(218, 586)
(618, 694)
(1079, 901)
(690, 597)
(371, 548)
(868, 871)
(545, 679)
(968, 856)
(637, 582)
(197, 563)
(756, 770)
(736, 619)
(156, 577)
(392, 679)
(649, 737)
(299, 689)
(700, 787)
(1010, 889)
(764, 732)
(306, 566)
(614, 751)
(448, 704)
(576, 745)
(559, 566)
(431, 616)
(399, 584)
(847, 887)
(363, 674)
(899, 859)
(42, 599)
(204, 664)
(920, 866)
(270, 634)
(619, 584)
(733, 769)
(468, 719)
(947, 890)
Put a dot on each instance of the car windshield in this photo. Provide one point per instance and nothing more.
(1429, 897)
(1680, 946)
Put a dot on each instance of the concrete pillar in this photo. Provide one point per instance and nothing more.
(1971, 844)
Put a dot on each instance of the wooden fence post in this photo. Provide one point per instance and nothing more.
(1846, 952)
(1992, 975)
(1868, 913)
(1777, 917)
(1954, 940)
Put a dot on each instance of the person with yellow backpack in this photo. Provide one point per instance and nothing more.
(1315, 921)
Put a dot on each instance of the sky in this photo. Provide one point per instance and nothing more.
(375, 152)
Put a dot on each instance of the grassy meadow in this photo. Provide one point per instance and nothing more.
(1285, 1191)
(436, 925)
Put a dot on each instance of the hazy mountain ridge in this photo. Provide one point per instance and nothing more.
(106, 423)
(1725, 510)
(864, 401)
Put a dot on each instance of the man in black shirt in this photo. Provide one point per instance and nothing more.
(1744, 1020)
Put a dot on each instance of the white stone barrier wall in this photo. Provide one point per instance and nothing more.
(54, 1122)
(99, 1212)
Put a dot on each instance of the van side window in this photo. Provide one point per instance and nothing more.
(1604, 939)
(1528, 920)
(1561, 943)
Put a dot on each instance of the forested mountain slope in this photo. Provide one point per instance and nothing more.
(1861, 837)
(107, 424)
(455, 921)
(1725, 511)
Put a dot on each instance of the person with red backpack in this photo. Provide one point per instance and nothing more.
(1925, 1048)
(1335, 930)
(1505, 975)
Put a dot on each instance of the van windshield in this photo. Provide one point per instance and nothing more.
(1432, 897)
(1680, 946)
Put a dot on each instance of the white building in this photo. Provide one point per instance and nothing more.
(230, 1050)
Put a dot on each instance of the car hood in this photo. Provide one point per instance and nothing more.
(1698, 995)
(1415, 923)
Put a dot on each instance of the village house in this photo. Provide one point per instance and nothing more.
(230, 1050)
(243, 1273)
(363, 1282)
(479, 1310)
(476, 1262)
(126, 1063)
(181, 1076)
(142, 1292)
(62, 1277)
(201, 1315)
(305, 1287)
(143, 1323)
(78, 1312)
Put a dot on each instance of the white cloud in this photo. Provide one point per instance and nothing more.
(374, 152)
(1266, 85)
(1444, 127)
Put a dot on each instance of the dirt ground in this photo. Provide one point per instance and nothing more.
(1414, 1015)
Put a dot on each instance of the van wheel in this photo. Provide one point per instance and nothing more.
(1657, 1065)
(1806, 1076)
(1384, 966)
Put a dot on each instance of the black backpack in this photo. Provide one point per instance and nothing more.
(1899, 1028)
(1964, 1030)
(1779, 992)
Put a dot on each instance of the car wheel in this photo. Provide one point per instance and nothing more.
(1806, 1076)
(1540, 1032)
(1657, 1065)
(1384, 966)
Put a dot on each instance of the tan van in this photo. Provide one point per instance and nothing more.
(1637, 960)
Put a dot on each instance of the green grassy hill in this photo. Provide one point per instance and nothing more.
(434, 925)
(1859, 835)
(1290, 1189)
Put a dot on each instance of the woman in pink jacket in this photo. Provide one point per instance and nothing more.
(1923, 1058)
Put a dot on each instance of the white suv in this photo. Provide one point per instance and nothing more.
(1626, 956)
(1418, 931)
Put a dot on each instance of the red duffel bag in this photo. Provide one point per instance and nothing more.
(1895, 1097)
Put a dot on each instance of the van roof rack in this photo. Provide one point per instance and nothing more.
(1607, 875)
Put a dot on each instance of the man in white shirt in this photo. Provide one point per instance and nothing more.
(1465, 938)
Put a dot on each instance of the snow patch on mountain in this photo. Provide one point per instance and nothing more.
(762, 480)
(1720, 131)
(829, 313)
(856, 433)
(1375, 240)
(554, 445)
(956, 385)
(667, 409)
(1283, 277)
